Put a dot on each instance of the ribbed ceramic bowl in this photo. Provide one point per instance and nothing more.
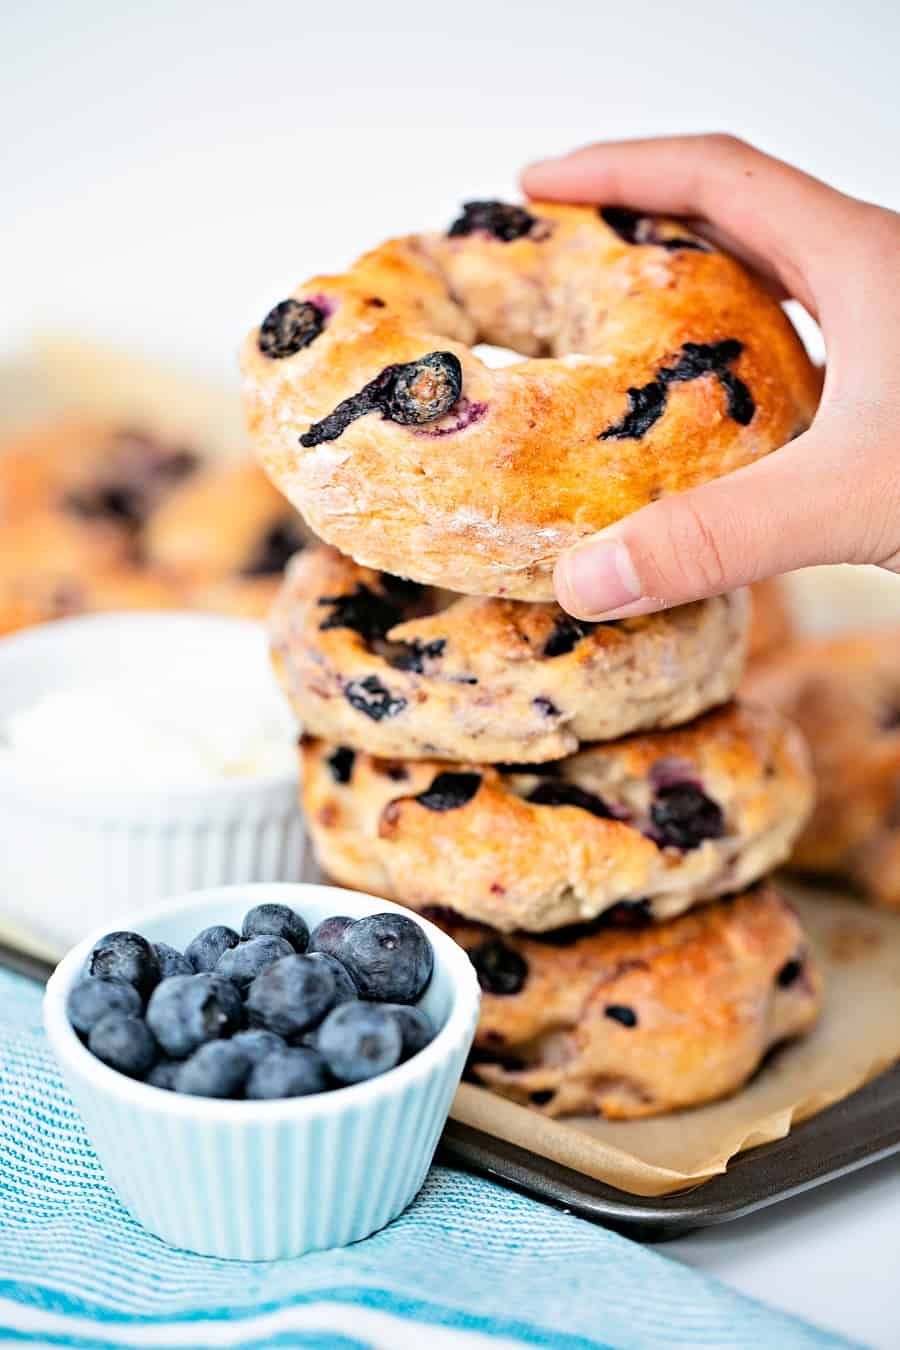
(254, 1181)
(72, 848)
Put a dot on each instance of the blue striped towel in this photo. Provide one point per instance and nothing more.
(469, 1265)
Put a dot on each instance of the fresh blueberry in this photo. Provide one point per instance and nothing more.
(308, 1039)
(217, 1069)
(360, 1040)
(204, 950)
(92, 998)
(258, 1043)
(242, 964)
(124, 1042)
(291, 996)
(171, 961)
(326, 936)
(228, 994)
(128, 957)
(289, 327)
(388, 956)
(291, 1072)
(683, 816)
(187, 1010)
(276, 921)
(346, 990)
(163, 1074)
(415, 1028)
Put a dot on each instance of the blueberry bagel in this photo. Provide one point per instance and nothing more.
(629, 1020)
(663, 820)
(54, 565)
(653, 363)
(844, 693)
(225, 538)
(96, 472)
(401, 670)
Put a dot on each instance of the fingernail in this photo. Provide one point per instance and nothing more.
(598, 577)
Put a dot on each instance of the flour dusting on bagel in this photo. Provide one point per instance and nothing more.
(651, 363)
(472, 678)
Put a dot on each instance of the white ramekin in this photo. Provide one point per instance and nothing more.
(258, 1180)
(72, 855)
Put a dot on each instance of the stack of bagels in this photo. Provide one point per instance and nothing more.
(584, 806)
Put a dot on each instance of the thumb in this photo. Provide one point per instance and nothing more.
(799, 506)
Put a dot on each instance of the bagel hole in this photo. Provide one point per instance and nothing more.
(496, 357)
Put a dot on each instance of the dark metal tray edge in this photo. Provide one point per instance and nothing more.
(860, 1130)
(853, 1133)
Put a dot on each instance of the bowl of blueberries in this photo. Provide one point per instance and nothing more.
(264, 1070)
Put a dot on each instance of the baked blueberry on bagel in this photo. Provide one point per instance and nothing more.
(844, 695)
(668, 820)
(651, 363)
(406, 671)
(628, 1021)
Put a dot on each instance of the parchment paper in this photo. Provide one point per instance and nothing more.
(858, 1036)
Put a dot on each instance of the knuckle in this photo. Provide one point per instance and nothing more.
(882, 234)
(687, 557)
(725, 144)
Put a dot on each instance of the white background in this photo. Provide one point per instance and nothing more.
(170, 170)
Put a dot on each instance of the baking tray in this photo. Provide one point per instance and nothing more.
(861, 1129)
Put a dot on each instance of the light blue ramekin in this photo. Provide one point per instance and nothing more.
(254, 1181)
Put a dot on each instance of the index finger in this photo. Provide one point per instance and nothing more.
(774, 212)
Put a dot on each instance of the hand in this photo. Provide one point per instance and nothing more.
(831, 495)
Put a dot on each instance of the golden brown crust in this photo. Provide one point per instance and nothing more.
(844, 693)
(489, 680)
(516, 863)
(36, 464)
(99, 516)
(631, 1022)
(74, 495)
(96, 470)
(216, 527)
(529, 460)
(49, 560)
